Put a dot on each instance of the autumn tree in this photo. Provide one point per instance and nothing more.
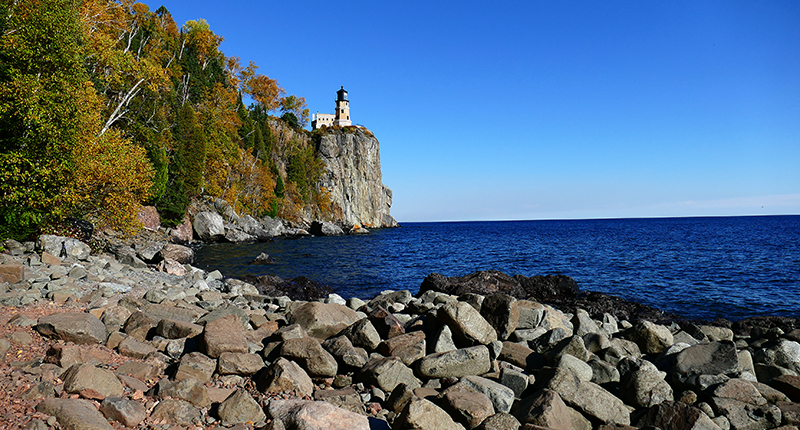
(296, 106)
(265, 91)
(54, 157)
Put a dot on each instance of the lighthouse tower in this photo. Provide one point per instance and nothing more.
(342, 116)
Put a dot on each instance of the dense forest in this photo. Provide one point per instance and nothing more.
(106, 105)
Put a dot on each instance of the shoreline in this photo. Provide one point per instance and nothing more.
(188, 346)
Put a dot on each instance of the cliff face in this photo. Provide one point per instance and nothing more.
(353, 178)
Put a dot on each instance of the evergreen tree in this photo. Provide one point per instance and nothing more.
(190, 155)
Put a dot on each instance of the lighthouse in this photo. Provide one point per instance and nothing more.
(342, 116)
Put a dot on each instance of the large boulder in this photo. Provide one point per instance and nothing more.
(323, 320)
(651, 338)
(424, 415)
(345, 353)
(311, 356)
(466, 405)
(455, 364)
(744, 406)
(325, 228)
(82, 377)
(642, 384)
(252, 227)
(546, 409)
(74, 414)
(408, 347)
(240, 407)
(272, 226)
(502, 312)
(81, 328)
(387, 373)
(677, 416)
(589, 398)
(197, 366)
(308, 415)
(224, 335)
(468, 326)
(181, 254)
(209, 226)
(501, 396)
(714, 358)
(284, 375)
(64, 247)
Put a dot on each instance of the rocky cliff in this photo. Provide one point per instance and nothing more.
(353, 177)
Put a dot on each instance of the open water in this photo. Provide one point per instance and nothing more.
(731, 267)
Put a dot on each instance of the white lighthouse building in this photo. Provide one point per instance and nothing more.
(341, 117)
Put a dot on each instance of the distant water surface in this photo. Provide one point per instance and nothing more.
(731, 267)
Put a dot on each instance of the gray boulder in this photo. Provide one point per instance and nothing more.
(468, 326)
(125, 411)
(308, 415)
(81, 328)
(240, 407)
(309, 354)
(642, 384)
(209, 226)
(323, 320)
(284, 375)
(234, 235)
(325, 228)
(345, 353)
(455, 364)
(272, 226)
(424, 415)
(81, 377)
(466, 405)
(74, 414)
(714, 358)
(177, 411)
(363, 334)
(388, 372)
(501, 396)
(589, 398)
(250, 226)
(651, 338)
(181, 254)
(744, 407)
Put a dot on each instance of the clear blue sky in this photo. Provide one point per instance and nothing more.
(547, 109)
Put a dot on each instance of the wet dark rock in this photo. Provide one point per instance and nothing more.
(559, 290)
(299, 288)
(484, 283)
(758, 326)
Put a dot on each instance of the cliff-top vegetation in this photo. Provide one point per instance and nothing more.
(106, 105)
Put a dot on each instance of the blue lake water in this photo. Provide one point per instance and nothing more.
(731, 267)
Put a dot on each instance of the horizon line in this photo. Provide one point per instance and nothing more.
(601, 218)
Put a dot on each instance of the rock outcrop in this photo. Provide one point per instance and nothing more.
(354, 179)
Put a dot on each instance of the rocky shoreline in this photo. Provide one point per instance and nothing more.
(135, 337)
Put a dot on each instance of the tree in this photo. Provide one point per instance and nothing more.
(190, 153)
(265, 91)
(296, 106)
(55, 160)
